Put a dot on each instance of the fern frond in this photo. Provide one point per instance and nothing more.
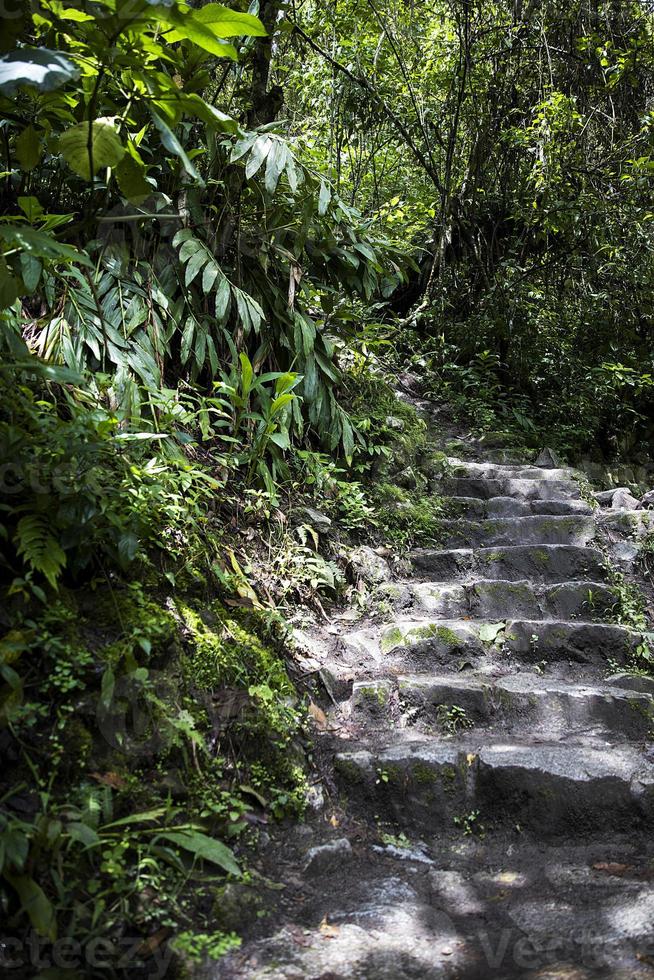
(36, 545)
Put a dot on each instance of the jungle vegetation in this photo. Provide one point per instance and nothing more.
(226, 231)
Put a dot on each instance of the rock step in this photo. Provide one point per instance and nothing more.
(514, 507)
(424, 644)
(530, 702)
(537, 563)
(497, 599)
(529, 640)
(465, 486)
(550, 789)
(542, 529)
(507, 471)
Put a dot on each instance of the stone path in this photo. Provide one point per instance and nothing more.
(494, 795)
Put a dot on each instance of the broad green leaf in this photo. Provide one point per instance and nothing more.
(348, 437)
(107, 686)
(204, 847)
(209, 276)
(35, 903)
(195, 263)
(28, 148)
(214, 118)
(40, 67)
(8, 286)
(229, 23)
(173, 145)
(223, 296)
(188, 26)
(247, 374)
(83, 834)
(30, 271)
(130, 175)
(41, 244)
(103, 150)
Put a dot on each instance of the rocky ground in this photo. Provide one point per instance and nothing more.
(485, 791)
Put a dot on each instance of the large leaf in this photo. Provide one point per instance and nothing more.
(214, 118)
(130, 175)
(40, 244)
(35, 903)
(229, 23)
(40, 67)
(28, 148)
(173, 145)
(205, 848)
(84, 151)
(209, 26)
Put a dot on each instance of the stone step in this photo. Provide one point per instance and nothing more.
(514, 507)
(469, 486)
(537, 563)
(507, 471)
(448, 642)
(538, 641)
(496, 599)
(570, 529)
(547, 788)
(525, 701)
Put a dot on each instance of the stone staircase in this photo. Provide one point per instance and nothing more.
(557, 750)
(492, 761)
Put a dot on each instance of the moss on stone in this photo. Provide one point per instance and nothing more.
(391, 638)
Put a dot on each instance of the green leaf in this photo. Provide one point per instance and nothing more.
(222, 299)
(247, 375)
(8, 286)
(30, 271)
(188, 26)
(106, 148)
(489, 632)
(229, 23)
(130, 175)
(34, 901)
(40, 67)
(28, 148)
(83, 834)
(41, 244)
(173, 145)
(214, 118)
(107, 686)
(204, 847)
(324, 198)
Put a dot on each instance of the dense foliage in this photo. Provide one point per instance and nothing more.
(224, 233)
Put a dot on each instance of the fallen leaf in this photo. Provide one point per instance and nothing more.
(328, 931)
(318, 715)
(334, 821)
